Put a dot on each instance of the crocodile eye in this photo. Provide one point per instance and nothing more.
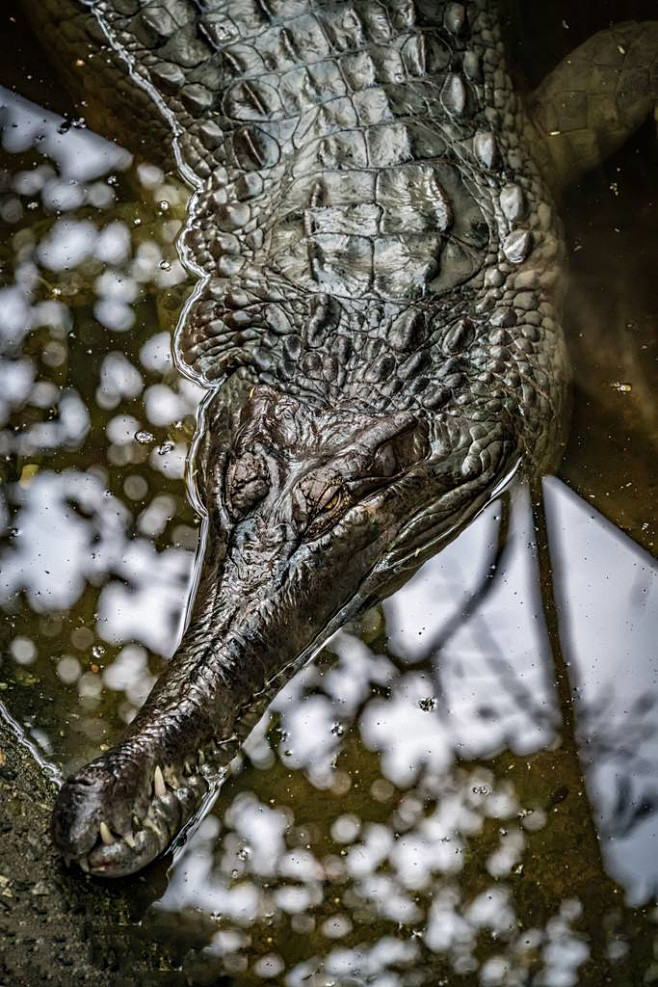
(325, 507)
(331, 499)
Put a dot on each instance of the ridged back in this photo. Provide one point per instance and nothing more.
(371, 220)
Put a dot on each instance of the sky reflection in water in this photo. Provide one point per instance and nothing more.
(413, 806)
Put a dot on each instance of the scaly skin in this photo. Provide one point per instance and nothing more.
(379, 318)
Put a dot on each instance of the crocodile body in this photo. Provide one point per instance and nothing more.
(378, 320)
(371, 221)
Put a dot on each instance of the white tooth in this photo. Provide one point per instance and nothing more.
(159, 783)
(106, 835)
(149, 824)
(130, 840)
(171, 777)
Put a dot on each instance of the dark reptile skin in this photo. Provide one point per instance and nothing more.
(372, 223)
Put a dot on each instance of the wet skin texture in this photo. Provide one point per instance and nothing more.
(379, 323)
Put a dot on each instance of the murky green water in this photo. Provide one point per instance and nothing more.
(463, 790)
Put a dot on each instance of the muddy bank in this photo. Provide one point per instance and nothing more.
(57, 927)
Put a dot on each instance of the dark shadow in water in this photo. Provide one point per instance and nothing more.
(611, 222)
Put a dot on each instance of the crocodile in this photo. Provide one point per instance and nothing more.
(378, 321)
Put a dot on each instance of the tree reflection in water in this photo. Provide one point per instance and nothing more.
(450, 790)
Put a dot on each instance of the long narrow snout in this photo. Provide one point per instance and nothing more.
(305, 507)
(253, 623)
(118, 813)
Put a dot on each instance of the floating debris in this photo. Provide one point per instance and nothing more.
(28, 473)
(144, 438)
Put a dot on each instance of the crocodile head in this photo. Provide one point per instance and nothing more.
(312, 514)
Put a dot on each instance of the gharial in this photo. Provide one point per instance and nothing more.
(378, 322)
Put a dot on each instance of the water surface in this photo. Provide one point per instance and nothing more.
(460, 789)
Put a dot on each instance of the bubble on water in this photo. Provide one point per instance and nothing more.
(165, 448)
(98, 651)
(144, 438)
(165, 265)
